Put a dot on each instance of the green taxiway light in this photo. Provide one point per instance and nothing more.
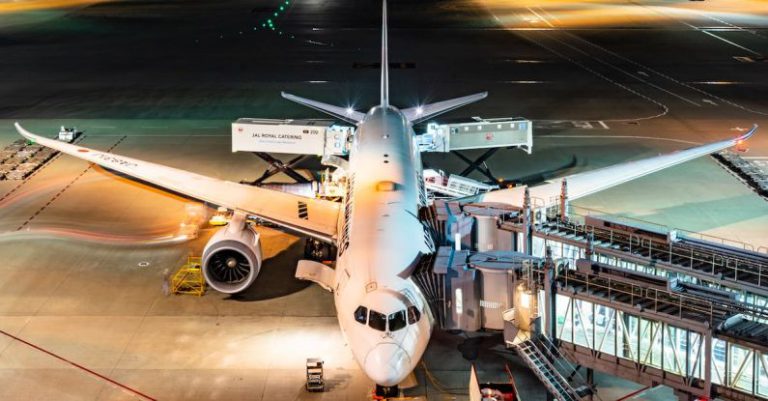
(282, 8)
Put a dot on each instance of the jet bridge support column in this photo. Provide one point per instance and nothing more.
(564, 201)
(708, 362)
(527, 224)
(550, 292)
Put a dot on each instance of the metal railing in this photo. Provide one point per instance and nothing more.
(680, 254)
(651, 299)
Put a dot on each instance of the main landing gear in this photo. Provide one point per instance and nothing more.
(319, 251)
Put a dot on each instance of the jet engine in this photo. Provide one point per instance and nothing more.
(232, 257)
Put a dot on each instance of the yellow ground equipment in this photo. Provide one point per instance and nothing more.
(189, 278)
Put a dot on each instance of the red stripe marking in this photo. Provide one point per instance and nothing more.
(634, 393)
(81, 367)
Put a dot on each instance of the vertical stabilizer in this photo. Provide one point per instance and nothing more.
(384, 57)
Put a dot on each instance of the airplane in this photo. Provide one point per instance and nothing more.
(376, 229)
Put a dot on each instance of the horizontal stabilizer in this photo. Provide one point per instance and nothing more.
(346, 114)
(421, 113)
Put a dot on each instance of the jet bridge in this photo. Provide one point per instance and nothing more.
(490, 134)
(478, 134)
(639, 301)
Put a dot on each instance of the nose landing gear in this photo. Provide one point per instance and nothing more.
(385, 392)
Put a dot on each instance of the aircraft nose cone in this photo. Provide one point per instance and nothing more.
(387, 364)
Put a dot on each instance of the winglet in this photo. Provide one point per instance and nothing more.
(23, 132)
(748, 134)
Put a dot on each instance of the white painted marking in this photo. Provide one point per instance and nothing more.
(744, 59)
(523, 82)
(603, 124)
(582, 124)
(643, 73)
(550, 15)
(735, 27)
(709, 102)
(722, 39)
(541, 18)
(661, 74)
(717, 82)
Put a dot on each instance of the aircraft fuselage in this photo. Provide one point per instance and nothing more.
(381, 240)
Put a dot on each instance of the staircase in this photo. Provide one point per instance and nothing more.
(546, 372)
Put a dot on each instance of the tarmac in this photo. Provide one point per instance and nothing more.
(84, 252)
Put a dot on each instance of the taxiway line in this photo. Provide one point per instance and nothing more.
(722, 39)
(664, 108)
(625, 72)
(661, 74)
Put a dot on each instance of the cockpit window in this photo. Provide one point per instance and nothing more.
(377, 321)
(396, 320)
(361, 314)
(413, 315)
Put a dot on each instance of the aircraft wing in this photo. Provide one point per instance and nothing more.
(587, 183)
(314, 217)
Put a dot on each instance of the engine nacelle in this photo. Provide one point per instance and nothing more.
(232, 258)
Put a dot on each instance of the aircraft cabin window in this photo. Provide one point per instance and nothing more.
(396, 320)
(377, 321)
(413, 315)
(361, 314)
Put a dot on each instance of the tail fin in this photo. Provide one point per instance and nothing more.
(384, 57)
(421, 113)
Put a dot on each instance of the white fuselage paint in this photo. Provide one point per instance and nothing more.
(380, 240)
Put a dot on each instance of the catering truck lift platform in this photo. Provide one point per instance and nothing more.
(304, 138)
